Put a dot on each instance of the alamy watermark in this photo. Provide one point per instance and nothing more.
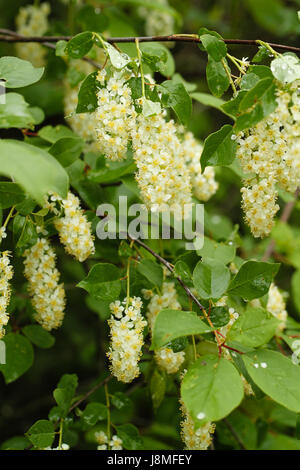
(138, 222)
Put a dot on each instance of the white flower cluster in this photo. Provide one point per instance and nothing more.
(166, 358)
(276, 306)
(157, 22)
(32, 21)
(102, 439)
(73, 228)
(6, 274)
(48, 297)
(269, 155)
(204, 184)
(115, 114)
(163, 176)
(126, 331)
(195, 439)
(3, 233)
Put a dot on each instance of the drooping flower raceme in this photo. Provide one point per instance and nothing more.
(48, 296)
(74, 229)
(269, 156)
(259, 204)
(195, 439)
(166, 358)
(276, 306)
(126, 331)
(204, 184)
(163, 176)
(32, 20)
(6, 274)
(115, 114)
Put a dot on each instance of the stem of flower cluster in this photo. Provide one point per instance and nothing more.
(141, 65)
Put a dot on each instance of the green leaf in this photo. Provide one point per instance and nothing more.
(65, 392)
(19, 356)
(154, 54)
(286, 68)
(93, 413)
(10, 194)
(28, 236)
(231, 107)
(262, 54)
(18, 73)
(41, 434)
(211, 278)
(257, 103)
(211, 389)
(38, 336)
(217, 78)
(279, 442)
(253, 75)
(102, 282)
(215, 47)
(118, 59)
(80, 45)
(87, 98)
(171, 324)
(60, 48)
(15, 112)
(177, 78)
(276, 375)
(34, 169)
(53, 134)
(157, 388)
(222, 252)
(253, 279)
(296, 289)
(182, 270)
(158, 58)
(175, 96)
(208, 100)
(219, 316)
(150, 108)
(253, 328)
(67, 149)
(219, 148)
(130, 436)
(112, 171)
(15, 443)
(152, 271)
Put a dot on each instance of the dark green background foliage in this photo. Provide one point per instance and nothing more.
(81, 342)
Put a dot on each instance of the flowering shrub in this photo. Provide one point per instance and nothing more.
(139, 342)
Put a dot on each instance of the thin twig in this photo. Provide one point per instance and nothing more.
(184, 286)
(171, 269)
(286, 213)
(234, 433)
(11, 36)
(90, 392)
